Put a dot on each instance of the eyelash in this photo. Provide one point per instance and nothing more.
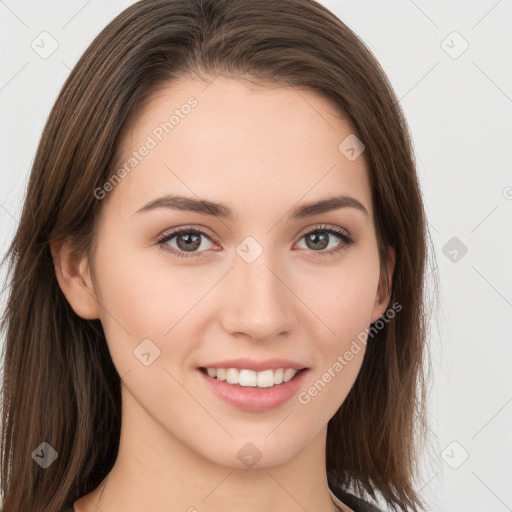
(346, 240)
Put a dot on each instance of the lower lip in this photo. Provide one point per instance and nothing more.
(252, 398)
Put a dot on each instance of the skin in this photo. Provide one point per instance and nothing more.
(262, 151)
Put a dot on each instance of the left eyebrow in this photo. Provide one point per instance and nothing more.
(327, 205)
(220, 210)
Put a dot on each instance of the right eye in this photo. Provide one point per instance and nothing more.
(187, 240)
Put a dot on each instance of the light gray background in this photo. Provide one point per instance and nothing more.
(459, 109)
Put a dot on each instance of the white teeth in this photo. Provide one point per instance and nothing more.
(251, 378)
(232, 376)
(266, 379)
(247, 378)
(288, 374)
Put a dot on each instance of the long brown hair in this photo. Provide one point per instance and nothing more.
(60, 385)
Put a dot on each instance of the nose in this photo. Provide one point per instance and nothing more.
(257, 300)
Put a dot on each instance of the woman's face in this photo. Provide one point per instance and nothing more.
(263, 282)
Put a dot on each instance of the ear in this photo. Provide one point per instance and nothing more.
(73, 275)
(385, 287)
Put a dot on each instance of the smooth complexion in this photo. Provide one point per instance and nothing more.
(263, 152)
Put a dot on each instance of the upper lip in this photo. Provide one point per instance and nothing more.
(252, 364)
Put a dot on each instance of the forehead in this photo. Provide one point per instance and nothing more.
(246, 145)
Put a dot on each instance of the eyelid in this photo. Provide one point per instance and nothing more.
(324, 227)
(176, 231)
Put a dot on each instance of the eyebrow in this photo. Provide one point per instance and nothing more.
(223, 211)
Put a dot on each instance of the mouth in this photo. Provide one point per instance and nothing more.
(253, 390)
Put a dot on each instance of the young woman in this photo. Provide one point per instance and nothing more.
(216, 295)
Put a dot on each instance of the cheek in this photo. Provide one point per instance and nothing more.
(346, 311)
(141, 290)
(342, 298)
(142, 299)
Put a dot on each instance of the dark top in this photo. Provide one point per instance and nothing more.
(355, 503)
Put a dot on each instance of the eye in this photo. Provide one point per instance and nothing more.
(188, 240)
(321, 238)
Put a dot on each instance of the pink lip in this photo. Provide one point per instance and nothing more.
(252, 398)
(257, 366)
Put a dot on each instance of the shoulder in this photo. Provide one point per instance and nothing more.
(353, 502)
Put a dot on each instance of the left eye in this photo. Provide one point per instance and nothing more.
(320, 239)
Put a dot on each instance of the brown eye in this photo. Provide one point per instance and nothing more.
(185, 241)
(188, 242)
(317, 240)
(332, 239)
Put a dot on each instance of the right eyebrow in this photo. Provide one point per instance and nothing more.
(189, 204)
